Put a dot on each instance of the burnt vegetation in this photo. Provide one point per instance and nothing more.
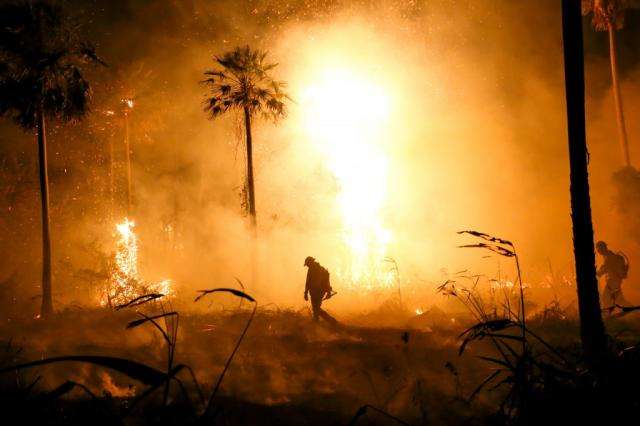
(507, 367)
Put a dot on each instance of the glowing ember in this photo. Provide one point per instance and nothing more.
(419, 311)
(344, 116)
(501, 284)
(125, 282)
(128, 102)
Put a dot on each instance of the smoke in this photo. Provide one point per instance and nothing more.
(627, 199)
(475, 138)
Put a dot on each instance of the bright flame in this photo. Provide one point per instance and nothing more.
(345, 117)
(125, 283)
(128, 102)
(127, 253)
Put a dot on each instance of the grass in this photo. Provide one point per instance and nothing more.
(138, 371)
(265, 365)
(243, 296)
(538, 378)
(286, 365)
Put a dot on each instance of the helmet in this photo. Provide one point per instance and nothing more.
(309, 260)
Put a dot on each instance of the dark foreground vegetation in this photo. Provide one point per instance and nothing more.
(437, 369)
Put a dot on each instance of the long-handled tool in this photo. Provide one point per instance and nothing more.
(329, 295)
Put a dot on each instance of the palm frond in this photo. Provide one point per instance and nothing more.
(42, 57)
(243, 80)
(606, 13)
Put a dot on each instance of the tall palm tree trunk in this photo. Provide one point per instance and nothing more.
(250, 185)
(617, 97)
(591, 325)
(112, 189)
(47, 300)
(127, 146)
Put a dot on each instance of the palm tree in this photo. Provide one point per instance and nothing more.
(591, 325)
(132, 84)
(242, 82)
(41, 57)
(124, 92)
(608, 15)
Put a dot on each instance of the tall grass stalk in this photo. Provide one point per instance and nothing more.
(242, 295)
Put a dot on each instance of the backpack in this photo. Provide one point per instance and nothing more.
(324, 282)
(622, 263)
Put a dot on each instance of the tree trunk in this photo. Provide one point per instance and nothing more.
(129, 173)
(591, 325)
(47, 300)
(617, 97)
(250, 185)
(112, 189)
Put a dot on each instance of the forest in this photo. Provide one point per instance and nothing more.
(319, 212)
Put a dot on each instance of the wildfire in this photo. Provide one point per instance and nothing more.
(345, 116)
(127, 253)
(125, 282)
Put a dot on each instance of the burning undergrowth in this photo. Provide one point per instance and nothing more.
(289, 366)
(125, 282)
(273, 367)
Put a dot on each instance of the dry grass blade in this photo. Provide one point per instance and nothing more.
(196, 384)
(549, 347)
(239, 282)
(495, 361)
(486, 329)
(243, 295)
(486, 326)
(30, 387)
(363, 410)
(140, 300)
(141, 321)
(243, 289)
(502, 251)
(65, 388)
(487, 237)
(233, 291)
(483, 384)
(498, 246)
(447, 288)
(135, 370)
(153, 387)
(228, 363)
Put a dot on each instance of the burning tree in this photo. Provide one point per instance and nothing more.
(131, 84)
(41, 76)
(125, 272)
(243, 82)
(125, 282)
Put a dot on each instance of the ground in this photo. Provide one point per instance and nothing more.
(288, 369)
